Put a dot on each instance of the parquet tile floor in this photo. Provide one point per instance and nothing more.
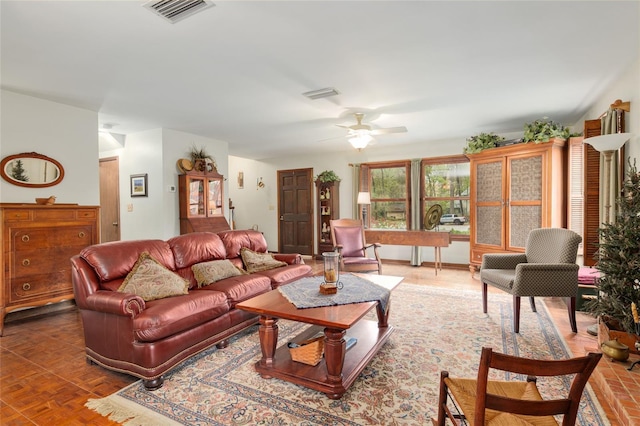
(44, 379)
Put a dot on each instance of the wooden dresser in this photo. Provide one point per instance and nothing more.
(38, 242)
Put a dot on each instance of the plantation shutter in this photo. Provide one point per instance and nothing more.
(576, 188)
(591, 218)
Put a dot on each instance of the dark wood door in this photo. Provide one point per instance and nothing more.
(109, 199)
(295, 210)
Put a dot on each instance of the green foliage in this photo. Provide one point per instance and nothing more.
(481, 142)
(619, 258)
(17, 172)
(327, 176)
(543, 130)
(199, 154)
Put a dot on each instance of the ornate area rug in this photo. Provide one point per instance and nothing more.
(435, 329)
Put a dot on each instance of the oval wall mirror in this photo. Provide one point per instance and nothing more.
(31, 169)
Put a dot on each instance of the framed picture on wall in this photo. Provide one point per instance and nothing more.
(139, 185)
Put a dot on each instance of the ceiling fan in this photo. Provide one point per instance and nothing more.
(361, 134)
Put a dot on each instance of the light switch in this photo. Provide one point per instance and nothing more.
(130, 207)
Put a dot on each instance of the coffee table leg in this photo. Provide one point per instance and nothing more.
(268, 332)
(383, 317)
(334, 350)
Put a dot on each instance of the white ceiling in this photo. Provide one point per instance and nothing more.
(236, 72)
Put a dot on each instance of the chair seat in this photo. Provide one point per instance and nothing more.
(464, 392)
(501, 278)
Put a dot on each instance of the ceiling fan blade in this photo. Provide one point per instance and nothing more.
(388, 130)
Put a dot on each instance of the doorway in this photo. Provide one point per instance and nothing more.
(295, 210)
(109, 199)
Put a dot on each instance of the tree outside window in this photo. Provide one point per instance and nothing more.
(446, 182)
(389, 207)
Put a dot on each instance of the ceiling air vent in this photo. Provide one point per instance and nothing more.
(321, 93)
(176, 10)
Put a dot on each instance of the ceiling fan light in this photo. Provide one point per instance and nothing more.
(360, 141)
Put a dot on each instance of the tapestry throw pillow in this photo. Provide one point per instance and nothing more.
(207, 273)
(256, 262)
(150, 280)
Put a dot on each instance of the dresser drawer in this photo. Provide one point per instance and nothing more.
(28, 263)
(41, 286)
(17, 215)
(86, 214)
(53, 214)
(31, 238)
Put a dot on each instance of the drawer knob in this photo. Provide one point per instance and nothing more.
(25, 238)
(26, 262)
(81, 234)
(26, 286)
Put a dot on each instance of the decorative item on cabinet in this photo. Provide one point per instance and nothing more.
(515, 189)
(200, 199)
(38, 241)
(328, 208)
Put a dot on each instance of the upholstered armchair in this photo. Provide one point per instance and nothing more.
(347, 237)
(547, 268)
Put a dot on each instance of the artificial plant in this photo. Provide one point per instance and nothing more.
(327, 176)
(619, 258)
(544, 130)
(481, 142)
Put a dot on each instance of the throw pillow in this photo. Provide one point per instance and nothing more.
(150, 280)
(207, 273)
(256, 262)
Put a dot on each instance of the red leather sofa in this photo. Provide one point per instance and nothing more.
(146, 339)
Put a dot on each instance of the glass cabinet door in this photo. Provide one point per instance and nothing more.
(214, 202)
(196, 197)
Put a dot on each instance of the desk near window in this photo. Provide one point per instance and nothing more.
(412, 238)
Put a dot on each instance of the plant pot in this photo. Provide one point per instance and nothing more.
(608, 330)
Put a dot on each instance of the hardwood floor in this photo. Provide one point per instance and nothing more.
(44, 379)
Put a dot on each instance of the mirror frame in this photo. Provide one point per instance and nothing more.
(34, 155)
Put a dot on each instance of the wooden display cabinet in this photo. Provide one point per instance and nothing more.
(201, 196)
(328, 208)
(515, 189)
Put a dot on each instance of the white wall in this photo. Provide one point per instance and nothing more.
(259, 207)
(65, 133)
(625, 88)
(156, 153)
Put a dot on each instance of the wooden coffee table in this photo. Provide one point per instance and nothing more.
(339, 368)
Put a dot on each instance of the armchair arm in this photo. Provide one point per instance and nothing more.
(113, 302)
(502, 260)
(546, 279)
(290, 258)
(375, 249)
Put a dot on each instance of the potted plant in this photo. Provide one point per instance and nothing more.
(544, 130)
(481, 142)
(327, 176)
(619, 265)
(201, 160)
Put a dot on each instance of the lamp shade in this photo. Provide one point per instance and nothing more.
(611, 142)
(360, 141)
(364, 198)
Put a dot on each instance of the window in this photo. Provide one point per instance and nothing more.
(446, 182)
(388, 186)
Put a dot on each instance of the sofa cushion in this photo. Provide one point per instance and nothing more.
(166, 317)
(151, 280)
(240, 288)
(255, 262)
(235, 240)
(286, 274)
(215, 270)
(196, 247)
(115, 259)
